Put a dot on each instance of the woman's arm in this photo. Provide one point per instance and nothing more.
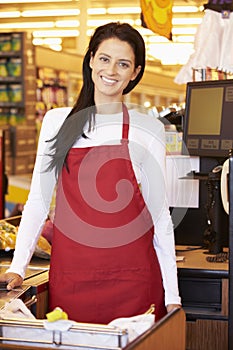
(154, 192)
(38, 203)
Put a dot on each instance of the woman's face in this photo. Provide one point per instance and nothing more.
(113, 66)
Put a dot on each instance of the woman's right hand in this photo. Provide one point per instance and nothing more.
(11, 279)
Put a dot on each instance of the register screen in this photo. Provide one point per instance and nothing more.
(205, 111)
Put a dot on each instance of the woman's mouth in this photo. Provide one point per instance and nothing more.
(108, 80)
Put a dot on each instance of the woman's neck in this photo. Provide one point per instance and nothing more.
(109, 108)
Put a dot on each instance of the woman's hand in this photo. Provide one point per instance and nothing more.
(12, 279)
(171, 307)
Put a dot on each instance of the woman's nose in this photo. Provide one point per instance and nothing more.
(112, 68)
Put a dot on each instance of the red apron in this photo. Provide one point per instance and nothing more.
(103, 263)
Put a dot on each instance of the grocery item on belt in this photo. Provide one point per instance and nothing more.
(8, 234)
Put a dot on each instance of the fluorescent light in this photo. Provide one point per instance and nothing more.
(121, 10)
(47, 41)
(97, 11)
(96, 22)
(138, 22)
(38, 41)
(100, 22)
(145, 31)
(185, 9)
(55, 12)
(52, 41)
(10, 14)
(55, 47)
(157, 39)
(71, 24)
(90, 32)
(186, 21)
(184, 39)
(188, 31)
(27, 25)
(55, 33)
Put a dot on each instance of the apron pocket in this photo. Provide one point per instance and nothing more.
(101, 296)
(122, 293)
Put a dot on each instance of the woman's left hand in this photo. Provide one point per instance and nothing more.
(171, 307)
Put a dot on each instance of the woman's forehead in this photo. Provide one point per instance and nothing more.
(113, 46)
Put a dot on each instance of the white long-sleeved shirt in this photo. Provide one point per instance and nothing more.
(147, 152)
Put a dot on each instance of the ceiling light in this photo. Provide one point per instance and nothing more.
(145, 31)
(90, 32)
(96, 22)
(10, 14)
(121, 10)
(188, 31)
(55, 33)
(38, 41)
(52, 41)
(186, 21)
(100, 22)
(138, 22)
(97, 11)
(157, 39)
(184, 39)
(55, 12)
(147, 104)
(55, 47)
(27, 25)
(185, 9)
(47, 41)
(71, 24)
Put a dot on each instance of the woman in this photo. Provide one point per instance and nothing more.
(113, 245)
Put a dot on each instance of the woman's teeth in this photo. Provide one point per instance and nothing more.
(108, 80)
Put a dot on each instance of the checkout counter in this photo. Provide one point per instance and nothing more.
(202, 324)
(166, 334)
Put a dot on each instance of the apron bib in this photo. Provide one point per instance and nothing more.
(103, 263)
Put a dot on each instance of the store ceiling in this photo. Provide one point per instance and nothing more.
(51, 22)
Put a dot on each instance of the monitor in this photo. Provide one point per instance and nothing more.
(208, 119)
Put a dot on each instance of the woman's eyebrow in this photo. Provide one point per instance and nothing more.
(120, 59)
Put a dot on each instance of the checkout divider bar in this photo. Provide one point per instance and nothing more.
(79, 336)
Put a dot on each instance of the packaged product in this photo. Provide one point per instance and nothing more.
(15, 42)
(3, 68)
(5, 43)
(4, 96)
(14, 67)
(16, 93)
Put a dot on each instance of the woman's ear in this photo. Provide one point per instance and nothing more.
(136, 72)
(91, 61)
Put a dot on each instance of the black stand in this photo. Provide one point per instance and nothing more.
(213, 235)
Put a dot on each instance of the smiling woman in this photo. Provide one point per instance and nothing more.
(113, 67)
(113, 252)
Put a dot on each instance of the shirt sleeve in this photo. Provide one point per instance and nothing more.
(153, 183)
(37, 207)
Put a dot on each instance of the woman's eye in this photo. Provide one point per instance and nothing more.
(104, 59)
(124, 64)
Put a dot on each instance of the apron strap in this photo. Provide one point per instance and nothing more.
(125, 127)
